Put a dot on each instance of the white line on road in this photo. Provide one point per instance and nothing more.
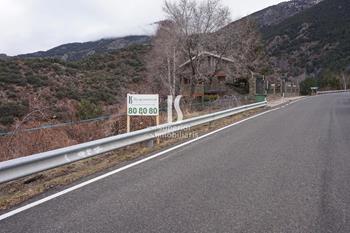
(46, 199)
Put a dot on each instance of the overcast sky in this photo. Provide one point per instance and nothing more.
(33, 25)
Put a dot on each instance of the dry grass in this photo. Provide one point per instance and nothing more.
(16, 192)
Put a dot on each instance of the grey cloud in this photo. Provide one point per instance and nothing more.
(32, 25)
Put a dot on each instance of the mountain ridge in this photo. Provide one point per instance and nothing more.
(277, 13)
(80, 50)
(312, 41)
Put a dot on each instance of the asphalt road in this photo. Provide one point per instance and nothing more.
(285, 171)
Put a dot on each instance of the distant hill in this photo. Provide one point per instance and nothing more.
(78, 51)
(3, 56)
(276, 14)
(313, 41)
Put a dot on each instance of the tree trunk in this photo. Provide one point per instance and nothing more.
(174, 72)
(169, 76)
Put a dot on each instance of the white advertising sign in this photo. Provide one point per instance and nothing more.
(142, 105)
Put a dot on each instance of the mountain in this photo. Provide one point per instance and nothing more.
(3, 56)
(78, 51)
(276, 14)
(250, 34)
(314, 42)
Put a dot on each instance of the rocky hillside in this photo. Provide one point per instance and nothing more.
(313, 42)
(78, 51)
(69, 90)
(263, 23)
(276, 14)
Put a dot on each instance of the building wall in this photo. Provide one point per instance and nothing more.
(212, 85)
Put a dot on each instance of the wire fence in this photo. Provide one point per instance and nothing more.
(52, 135)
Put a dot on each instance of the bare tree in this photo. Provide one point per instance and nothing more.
(247, 50)
(192, 28)
(194, 24)
(164, 56)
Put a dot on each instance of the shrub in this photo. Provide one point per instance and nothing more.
(210, 98)
(305, 86)
(70, 92)
(88, 110)
(112, 65)
(12, 78)
(9, 111)
(37, 81)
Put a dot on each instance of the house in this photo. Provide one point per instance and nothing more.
(216, 78)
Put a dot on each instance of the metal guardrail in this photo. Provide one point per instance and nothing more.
(21, 167)
(331, 92)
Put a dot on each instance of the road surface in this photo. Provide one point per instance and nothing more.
(285, 171)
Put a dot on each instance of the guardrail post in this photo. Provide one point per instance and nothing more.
(150, 143)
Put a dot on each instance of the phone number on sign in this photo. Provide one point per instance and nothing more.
(143, 111)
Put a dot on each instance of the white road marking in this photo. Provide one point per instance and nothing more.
(51, 197)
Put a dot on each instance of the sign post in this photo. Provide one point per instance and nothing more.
(142, 105)
(128, 124)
